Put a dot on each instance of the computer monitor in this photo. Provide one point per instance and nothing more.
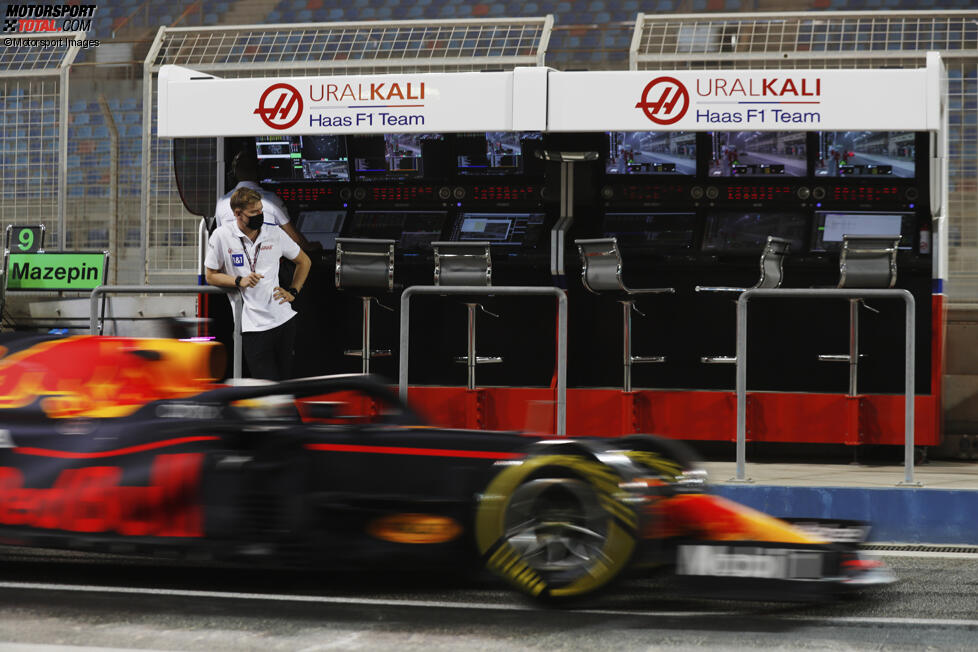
(759, 154)
(493, 152)
(279, 157)
(660, 231)
(515, 229)
(830, 226)
(861, 154)
(390, 157)
(651, 152)
(321, 226)
(414, 231)
(324, 158)
(746, 232)
(319, 158)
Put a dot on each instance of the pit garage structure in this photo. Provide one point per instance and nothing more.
(700, 228)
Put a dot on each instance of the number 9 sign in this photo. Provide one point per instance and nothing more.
(25, 239)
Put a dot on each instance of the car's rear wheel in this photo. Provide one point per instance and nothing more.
(555, 526)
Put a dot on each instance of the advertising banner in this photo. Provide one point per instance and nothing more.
(761, 100)
(355, 104)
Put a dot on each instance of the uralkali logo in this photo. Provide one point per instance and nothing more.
(280, 106)
(665, 100)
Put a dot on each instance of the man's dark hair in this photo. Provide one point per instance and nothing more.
(245, 166)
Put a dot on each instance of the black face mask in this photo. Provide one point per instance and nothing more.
(255, 221)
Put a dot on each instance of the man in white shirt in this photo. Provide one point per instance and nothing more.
(245, 168)
(245, 254)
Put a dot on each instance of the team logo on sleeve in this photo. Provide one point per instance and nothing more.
(237, 260)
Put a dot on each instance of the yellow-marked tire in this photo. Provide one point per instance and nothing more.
(555, 527)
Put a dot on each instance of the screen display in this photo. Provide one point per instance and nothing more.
(866, 154)
(320, 158)
(653, 230)
(321, 227)
(747, 232)
(651, 152)
(500, 228)
(390, 156)
(758, 154)
(493, 153)
(413, 231)
(830, 226)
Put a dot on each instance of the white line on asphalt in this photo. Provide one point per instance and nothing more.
(389, 602)
(926, 555)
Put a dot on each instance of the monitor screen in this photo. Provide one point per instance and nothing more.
(320, 158)
(830, 226)
(278, 157)
(493, 152)
(324, 158)
(866, 154)
(321, 227)
(670, 231)
(651, 152)
(413, 231)
(758, 154)
(500, 228)
(390, 156)
(747, 232)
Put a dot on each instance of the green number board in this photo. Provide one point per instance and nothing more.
(55, 271)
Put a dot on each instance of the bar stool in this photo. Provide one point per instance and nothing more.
(466, 264)
(365, 266)
(601, 273)
(772, 275)
(865, 261)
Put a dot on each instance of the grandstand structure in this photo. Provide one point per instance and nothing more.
(77, 131)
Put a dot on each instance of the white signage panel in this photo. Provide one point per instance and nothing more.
(355, 104)
(763, 100)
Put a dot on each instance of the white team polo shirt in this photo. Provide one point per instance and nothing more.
(232, 252)
(272, 206)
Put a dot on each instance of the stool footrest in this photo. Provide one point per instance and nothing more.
(644, 359)
(479, 359)
(842, 357)
(358, 353)
(719, 359)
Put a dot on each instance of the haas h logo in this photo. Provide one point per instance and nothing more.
(664, 101)
(280, 106)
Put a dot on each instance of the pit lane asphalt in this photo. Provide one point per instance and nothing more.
(70, 600)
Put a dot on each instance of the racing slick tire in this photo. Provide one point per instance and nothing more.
(556, 527)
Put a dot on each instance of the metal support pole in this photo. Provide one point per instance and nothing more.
(233, 295)
(853, 346)
(365, 337)
(627, 344)
(559, 294)
(470, 355)
(833, 293)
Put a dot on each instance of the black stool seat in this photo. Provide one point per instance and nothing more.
(601, 273)
(365, 266)
(865, 261)
(467, 264)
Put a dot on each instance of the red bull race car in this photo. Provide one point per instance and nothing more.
(129, 445)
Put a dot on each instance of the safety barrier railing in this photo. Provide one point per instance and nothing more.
(95, 323)
(827, 293)
(560, 295)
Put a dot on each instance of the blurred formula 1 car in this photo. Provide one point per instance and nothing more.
(127, 445)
